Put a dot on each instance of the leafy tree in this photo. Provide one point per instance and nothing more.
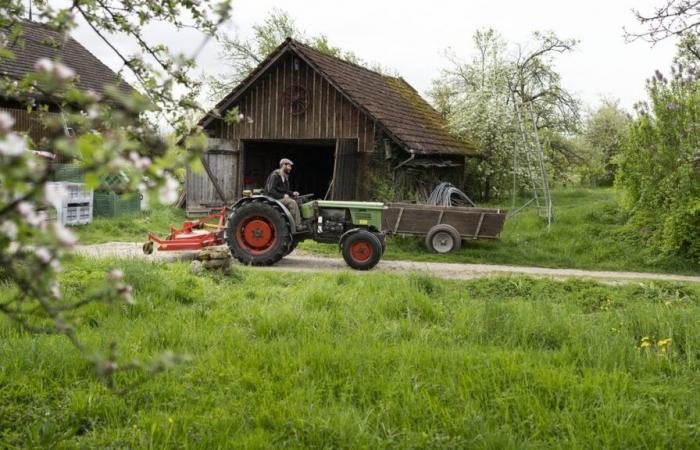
(243, 55)
(478, 98)
(604, 134)
(114, 136)
(660, 168)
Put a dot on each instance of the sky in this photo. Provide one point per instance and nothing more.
(411, 36)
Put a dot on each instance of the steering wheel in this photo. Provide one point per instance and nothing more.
(305, 197)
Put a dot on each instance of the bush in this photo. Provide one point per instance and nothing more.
(660, 166)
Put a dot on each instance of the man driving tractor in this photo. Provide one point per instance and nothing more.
(277, 187)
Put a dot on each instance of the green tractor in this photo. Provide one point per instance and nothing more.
(260, 230)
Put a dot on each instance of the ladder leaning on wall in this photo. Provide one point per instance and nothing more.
(528, 149)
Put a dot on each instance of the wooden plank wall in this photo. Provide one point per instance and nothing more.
(201, 191)
(345, 171)
(28, 122)
(328, 115)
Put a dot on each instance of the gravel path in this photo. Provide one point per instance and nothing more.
(299, 261)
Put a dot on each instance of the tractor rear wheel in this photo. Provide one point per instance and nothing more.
(362, 250)
(259, 233)
(292, 247)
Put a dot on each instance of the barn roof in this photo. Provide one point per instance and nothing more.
(406, 117)
(42, 42)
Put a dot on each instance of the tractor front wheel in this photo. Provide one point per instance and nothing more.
(362, 250)
(258, 234)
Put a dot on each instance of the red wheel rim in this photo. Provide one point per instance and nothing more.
(361, 251)
(256, 235)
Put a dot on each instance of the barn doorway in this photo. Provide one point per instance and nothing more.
(313, 163)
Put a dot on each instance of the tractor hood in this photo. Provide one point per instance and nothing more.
(349, 204)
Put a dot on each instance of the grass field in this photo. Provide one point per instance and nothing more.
(131, 228)
(589, 232)
(364, 361)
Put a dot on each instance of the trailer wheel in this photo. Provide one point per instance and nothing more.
(443, 238)
(362, 250)
(258, 234)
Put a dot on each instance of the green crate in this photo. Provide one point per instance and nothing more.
(111, 204)
(69, 172)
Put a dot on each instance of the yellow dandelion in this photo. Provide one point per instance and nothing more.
(645, 344)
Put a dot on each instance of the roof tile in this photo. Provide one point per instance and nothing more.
(42, 42)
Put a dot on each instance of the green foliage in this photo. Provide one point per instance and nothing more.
(660, 168)
(477, 98)
(112, 139)
(365, 361)
(603, 136)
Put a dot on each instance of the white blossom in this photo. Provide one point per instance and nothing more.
(6, 122)
(125, 292)
(43, 254)
(43, 65)
(54, 290)
(9, 229)
(167, 193)
(117, 164)
(93, 112)
(115, 275)
(63, 72)
(26, 209)
(64, 236)
(94, 96)
(12, 145)
(141, 163)
(33, 218)
(56, 266)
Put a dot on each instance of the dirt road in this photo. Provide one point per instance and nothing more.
(303, 262)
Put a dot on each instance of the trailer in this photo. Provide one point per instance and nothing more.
(444, 227)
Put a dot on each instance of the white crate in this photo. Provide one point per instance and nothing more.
(75, 206)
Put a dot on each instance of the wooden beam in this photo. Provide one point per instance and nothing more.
(219, 191)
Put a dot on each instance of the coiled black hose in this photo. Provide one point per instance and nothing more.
(446, 194)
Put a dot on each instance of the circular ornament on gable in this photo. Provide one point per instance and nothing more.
(296, 99)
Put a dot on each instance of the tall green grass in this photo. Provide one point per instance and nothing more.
(131, 227)
(364, 361)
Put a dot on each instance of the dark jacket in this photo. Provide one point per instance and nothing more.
(276, 187)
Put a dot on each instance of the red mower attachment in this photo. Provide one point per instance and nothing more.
(194, 235)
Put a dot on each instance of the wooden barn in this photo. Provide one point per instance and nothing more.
(38, 41)
(340, 123)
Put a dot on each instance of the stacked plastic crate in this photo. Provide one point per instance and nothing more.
(74, 205)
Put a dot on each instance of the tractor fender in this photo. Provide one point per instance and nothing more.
(266, 199)
(345, 236)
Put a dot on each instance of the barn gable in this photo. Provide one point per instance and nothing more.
(291, 100)
(338, 121)
(390, 104)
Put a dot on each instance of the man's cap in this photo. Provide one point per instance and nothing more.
(284, 161)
